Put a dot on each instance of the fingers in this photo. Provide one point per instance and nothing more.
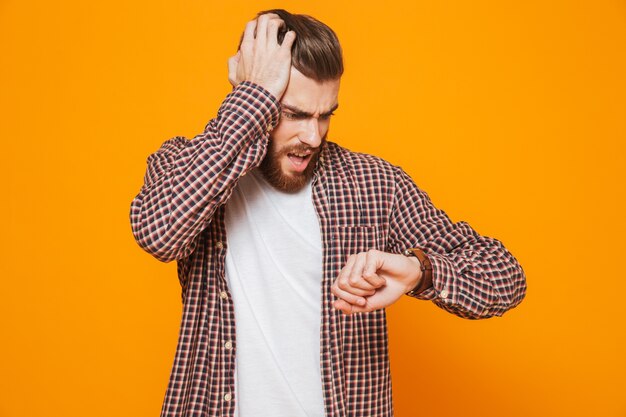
(261, 29)
(257, 30)
(248, 34)
(348, 308)
(348, 296)
(386, 272)
(266, 24)
(374, 261)
(233, 62)
(246, 49)
(354, 279)
(350, 279)
(343, 306)
(272, 31)
(358, 279)
(288, 40)
(262, 61)
(359, 273)
(353, 296)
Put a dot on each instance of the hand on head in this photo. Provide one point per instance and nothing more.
(261, 59)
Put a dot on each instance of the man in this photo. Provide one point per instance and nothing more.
(289, 247)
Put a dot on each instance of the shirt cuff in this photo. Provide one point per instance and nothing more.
(254, 102)
(443, 276)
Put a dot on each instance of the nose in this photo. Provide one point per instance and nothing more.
(310, 133)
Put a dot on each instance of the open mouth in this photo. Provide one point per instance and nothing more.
(299, 160)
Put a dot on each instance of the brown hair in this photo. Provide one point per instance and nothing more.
(316, 52)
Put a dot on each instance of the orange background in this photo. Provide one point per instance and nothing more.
(511, 115)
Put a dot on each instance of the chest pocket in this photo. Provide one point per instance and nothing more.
(355, 239)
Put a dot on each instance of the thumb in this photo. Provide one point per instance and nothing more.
(348, 308)
(233, 62)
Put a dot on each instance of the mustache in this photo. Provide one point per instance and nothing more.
(302, 147)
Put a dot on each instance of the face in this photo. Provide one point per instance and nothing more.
(297, 140)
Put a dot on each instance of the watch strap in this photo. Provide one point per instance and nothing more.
(426, 267)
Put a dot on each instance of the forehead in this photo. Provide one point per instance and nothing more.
(310, 95)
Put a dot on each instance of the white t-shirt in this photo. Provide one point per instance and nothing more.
(274, 273)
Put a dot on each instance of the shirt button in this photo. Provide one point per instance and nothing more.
(219, 245)
(444, 294)
(227, 397)
(228, 345)
(223, 295)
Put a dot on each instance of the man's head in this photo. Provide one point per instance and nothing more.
(307, 104)
(316, 52)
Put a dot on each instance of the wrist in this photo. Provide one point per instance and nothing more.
(276, 90)
(416, 275)
(425, 278)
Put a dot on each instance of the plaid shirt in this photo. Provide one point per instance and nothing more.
(362, 203)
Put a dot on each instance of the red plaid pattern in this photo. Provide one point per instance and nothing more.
(362, 203)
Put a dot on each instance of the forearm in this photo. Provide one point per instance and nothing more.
(477, 279)
(186, 180)
(473, 276)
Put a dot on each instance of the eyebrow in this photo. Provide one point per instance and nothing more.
(301, 113)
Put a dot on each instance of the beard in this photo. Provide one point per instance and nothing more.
(273, 173)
